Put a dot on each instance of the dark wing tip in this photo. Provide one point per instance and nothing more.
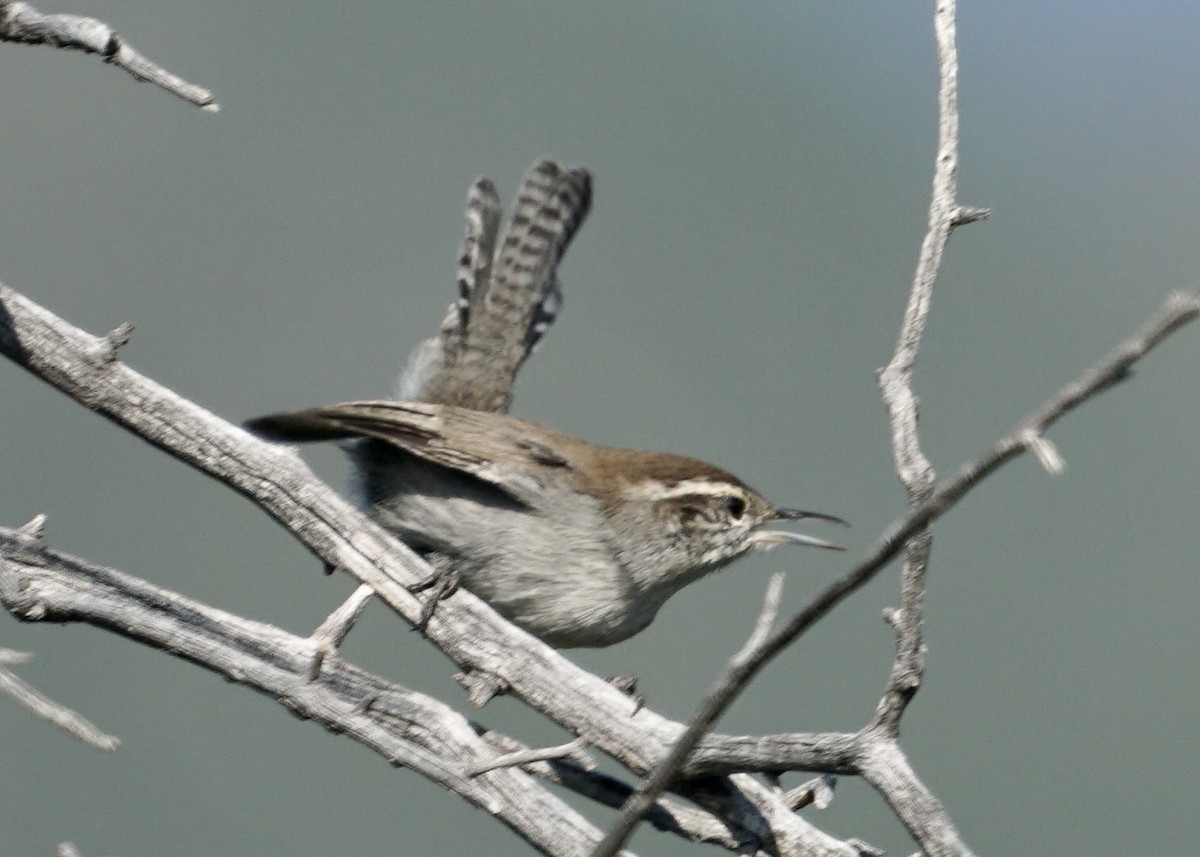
(298, 427)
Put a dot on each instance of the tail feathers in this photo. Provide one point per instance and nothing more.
(476, 251)
(547, 312)
(508, 296)
(550, 208)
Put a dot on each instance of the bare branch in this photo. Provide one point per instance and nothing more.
(464, 627)
(1045, 452)
(886, 768)
(766, 618)
(12, 656)
(668, 769)
(895, 380)
(20, 22)
(42, 706)
(666, 815)
(814, 752)
(1176, 311)
(405, 727)
(874, 755)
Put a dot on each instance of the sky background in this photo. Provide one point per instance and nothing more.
(762, 178)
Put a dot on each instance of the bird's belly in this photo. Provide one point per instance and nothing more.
(557, 581)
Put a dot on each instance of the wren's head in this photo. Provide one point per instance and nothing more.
(682, 518)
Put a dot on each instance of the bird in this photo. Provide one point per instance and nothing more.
(578, 543)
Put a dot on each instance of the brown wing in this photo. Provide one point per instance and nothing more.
(516, 456)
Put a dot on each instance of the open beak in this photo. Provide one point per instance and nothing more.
(771, 538)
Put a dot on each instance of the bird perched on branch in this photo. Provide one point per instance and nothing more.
(577, 543)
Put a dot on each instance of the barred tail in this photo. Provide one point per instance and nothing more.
(508, 296)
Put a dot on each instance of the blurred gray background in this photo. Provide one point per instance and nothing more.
(762, 176)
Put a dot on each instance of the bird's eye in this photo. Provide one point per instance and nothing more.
(734, 505)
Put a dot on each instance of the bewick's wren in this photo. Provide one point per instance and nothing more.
(577, 543)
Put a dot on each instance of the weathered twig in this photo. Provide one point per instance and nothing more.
(20, 22)
(71, 722)
(921, 812)
(666, 815)
(36, 583)
(573, 750)
(330, 633)
(817, 792)
(895, 382)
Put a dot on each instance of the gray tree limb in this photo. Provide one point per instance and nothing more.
(465, 628)
(407, 728)
(475, 637)
(306, 675)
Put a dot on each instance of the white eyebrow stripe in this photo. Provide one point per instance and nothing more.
(690, 488)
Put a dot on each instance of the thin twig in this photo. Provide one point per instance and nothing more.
(914, 469)
(569, 750)
(42, 706)
(895, 380)
(12, 656)
(766, 618)
(666, 815)
(35, 527)
(20, 22)
(330, 633)
(1176, 310)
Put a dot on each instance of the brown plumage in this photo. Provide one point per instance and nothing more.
(578, 543)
